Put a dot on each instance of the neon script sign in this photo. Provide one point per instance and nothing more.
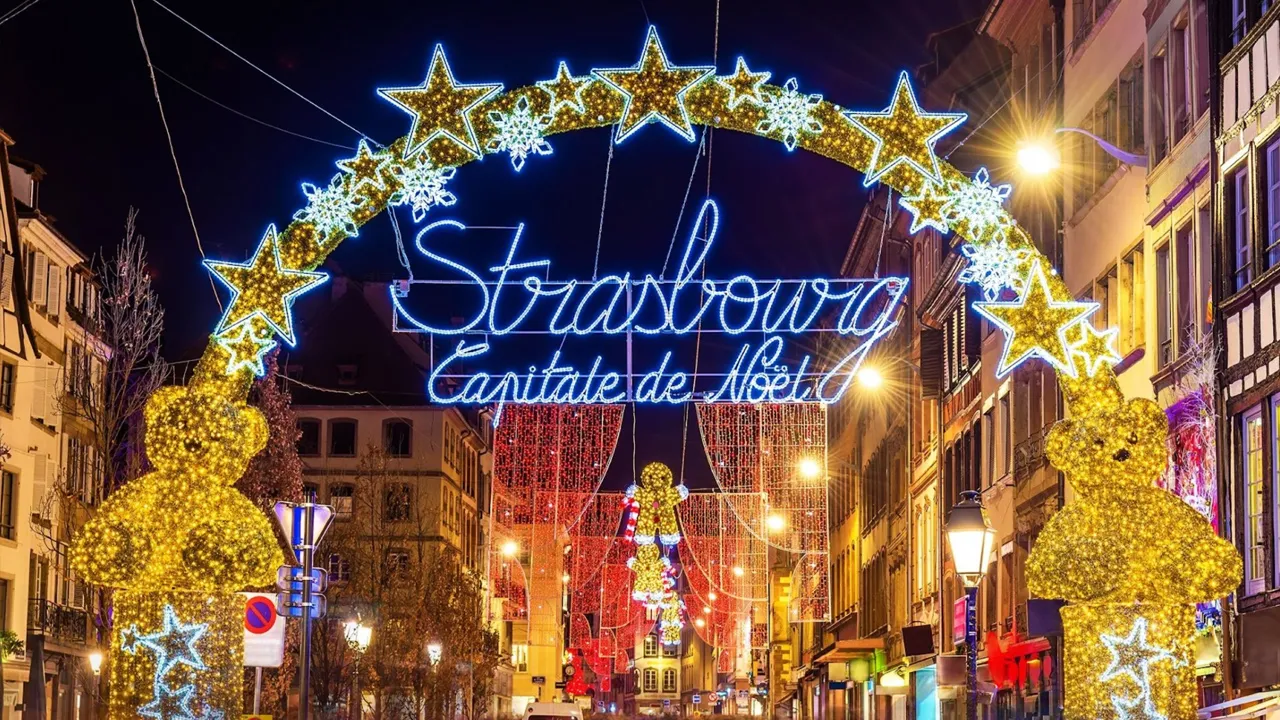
(516, 293)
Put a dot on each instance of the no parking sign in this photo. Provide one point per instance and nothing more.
(263, 631)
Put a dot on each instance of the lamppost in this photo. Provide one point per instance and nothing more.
(970, 536)
(358, 636)
(1040, 157)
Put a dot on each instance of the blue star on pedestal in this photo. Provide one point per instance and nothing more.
(245, 348)
(566, 90)
(654, 90)
(263, 287)
(904, 134)
(1036, 324)
(170, 704)
(175, 643)
(441, 106)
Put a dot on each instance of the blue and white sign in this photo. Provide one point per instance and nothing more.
(516, 297)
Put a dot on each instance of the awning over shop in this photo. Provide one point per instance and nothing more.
(846, 650)
(1263, 706)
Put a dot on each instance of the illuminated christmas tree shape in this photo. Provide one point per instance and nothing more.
(450, 127)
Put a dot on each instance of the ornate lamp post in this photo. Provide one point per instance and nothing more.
(358, 636)
(970, 535)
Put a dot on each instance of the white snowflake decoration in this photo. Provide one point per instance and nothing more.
(330, 209)
(993, 267)
(790, 114)
(422, 187)
(519, 133)
(978, 206)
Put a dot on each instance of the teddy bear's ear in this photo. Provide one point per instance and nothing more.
(160, 400)
(1149, 418)
(1058, 444)
(255, 429)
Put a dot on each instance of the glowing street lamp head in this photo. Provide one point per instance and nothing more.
(810, 468)
(510, 548)
(434, 651)
(870, 378)
(776, 522)
(1037, 158)
(95, 662)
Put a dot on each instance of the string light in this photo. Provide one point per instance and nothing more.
(441, 107)
(1036, 325)
(519, 133)
(657, 498)
(788, 114)
(654, 90)
(565, 90)
(904, 135)
(745, 86)
(994, 267)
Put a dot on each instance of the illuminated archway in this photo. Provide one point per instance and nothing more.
(177, 543)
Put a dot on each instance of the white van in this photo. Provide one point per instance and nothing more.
(552, 711)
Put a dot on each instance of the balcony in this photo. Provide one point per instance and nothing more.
(1028, 455)
(62, 624)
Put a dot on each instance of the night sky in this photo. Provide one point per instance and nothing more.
(78, 101)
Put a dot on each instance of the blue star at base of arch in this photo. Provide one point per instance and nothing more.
(162, 705)
(263, 269)
(894, 147)
(642, 104)
(175, 644)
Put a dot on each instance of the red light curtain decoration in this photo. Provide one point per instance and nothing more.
(592, 538)
(548, 461)
(725, 569)
(770, 461)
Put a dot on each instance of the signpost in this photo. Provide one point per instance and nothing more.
(301, 583)
(263, 638)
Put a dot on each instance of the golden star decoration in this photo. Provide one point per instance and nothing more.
(1036, 324)
(441, 106)
(566, 90)
(904, 134)
(654, 90)
(245, 348)
(263, 287)
(744, 85)
(927, 209)
(1096, 347)
(367, 167)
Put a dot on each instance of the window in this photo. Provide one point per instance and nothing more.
(308, 437)
(342, 438)
(671, 649)
(1131, 307)
(310, 491)
(669, 680)
(397, 437)
(4, 604)
(1200, 55)
(1184, 261)
(650, 680)
(8, 377)
(651, 646)
(399, 506)
(341, 497)
(1237, 203)
(520, 657)
(339, 568)
(1159, 103)
(989, 449)
(8, 496)
(397, 563)
(1204, 228)
(1255, 543)
(347, 374)
(1239, 20)
(1180, 79)
(1272, 199)
(1005, 444)
(1164, 308)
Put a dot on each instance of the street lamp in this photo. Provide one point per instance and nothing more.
(870, 378)
(510, 548)
(809, 467)
(776, 522)
(434, 652)
(970, 536)
(358, 636)
(95, 663)
(1040, 157)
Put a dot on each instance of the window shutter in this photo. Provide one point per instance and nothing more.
(40, 280)
(40, 486)
(38, 394)
(55, 299)
(6, 279)
(51, 397)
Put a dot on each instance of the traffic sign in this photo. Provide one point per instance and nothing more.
(697, 699)
(292, 520)
(263, 631)
(292, 605)
(539, 679)
(290, 577)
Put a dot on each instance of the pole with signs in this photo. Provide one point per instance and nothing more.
(302, 583)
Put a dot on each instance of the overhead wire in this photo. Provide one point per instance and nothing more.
(251, 118)
(17, 10)
(155, 89)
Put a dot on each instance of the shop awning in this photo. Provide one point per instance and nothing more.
(1263, 706)
(846, 650)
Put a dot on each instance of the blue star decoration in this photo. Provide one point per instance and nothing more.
(170, 704)
(904, 134)
(1036, 324)
(744, 85)
(441, 106)
(1132, 657)
(926, 209)
(245, 348)
(1096, 347)
(654, 90)
(175, 644)
(566, 90)
(263, 288)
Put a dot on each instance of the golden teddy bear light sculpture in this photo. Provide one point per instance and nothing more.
(1131, 558)
(177, 544)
